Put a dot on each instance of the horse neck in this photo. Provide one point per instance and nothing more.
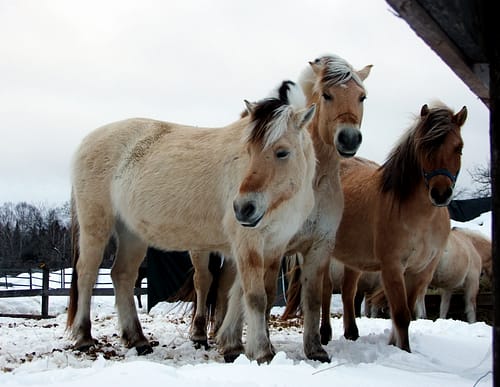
(328, 159)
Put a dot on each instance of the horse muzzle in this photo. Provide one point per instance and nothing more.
(249, 210)
(347, 141)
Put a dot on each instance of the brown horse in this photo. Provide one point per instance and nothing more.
(338, 92)
(460, 266)
(395, 218)
(244, 190)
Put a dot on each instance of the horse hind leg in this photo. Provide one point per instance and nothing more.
(130, 253)
(444, 305)
(226, 280)
(325, 329)
(349, 289)
(94, 231)
(471, 288)
(202, 281)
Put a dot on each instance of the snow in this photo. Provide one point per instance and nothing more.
(38, 352)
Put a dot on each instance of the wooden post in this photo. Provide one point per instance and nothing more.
(45, 291)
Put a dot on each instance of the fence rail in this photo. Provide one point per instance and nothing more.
(42, 282)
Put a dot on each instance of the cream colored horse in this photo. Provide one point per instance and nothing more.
(337, 89)
(460, 266)
(244, 190)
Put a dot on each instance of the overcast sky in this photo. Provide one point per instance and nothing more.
(67, 67)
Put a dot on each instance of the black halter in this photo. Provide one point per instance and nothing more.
(440, 171)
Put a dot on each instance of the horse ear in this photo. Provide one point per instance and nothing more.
(304, 116)
(424, 111)
(250, 107)
(316, 67)
(364, 72)
(461, 116)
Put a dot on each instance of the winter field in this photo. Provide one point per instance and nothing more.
(38, 352)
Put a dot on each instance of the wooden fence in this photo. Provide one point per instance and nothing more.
(45, 283)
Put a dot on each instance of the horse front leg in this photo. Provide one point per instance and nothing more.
(251, 267)
(226, 281)
(271, 275)
(471, 288)
(202, 281)
(349, 289)
(316, 262)
(395, 290)
(231, 330)
(325, 329)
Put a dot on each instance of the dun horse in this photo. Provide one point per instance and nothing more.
(244, 190)
(460, 266)
(395, 218)
(338, 92)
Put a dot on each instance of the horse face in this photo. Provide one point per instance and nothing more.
(276, 173)
(340, 115)
(441, 171)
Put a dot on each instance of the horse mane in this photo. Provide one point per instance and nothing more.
(402, 168)
(336, 71)
(268, 122)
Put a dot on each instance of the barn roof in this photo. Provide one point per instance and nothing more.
(452, 29)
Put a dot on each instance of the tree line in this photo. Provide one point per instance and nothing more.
(35, 235)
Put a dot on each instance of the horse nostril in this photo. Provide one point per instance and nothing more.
(441, 197)
(248, 210)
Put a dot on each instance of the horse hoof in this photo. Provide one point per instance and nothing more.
(201, 343)
(265, 359)
(351, 335)
(231, 357)
(321, 356)
(325, 334)
(144, 350)
(86, 346)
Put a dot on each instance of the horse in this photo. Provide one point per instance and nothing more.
(460, 266)
(395, 218)
(243, 189)
(337, 90)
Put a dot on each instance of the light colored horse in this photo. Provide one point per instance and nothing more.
(395, 218)
(338, 92)
(244, 190)
(460, 266)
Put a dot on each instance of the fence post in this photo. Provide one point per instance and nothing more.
(45, 290)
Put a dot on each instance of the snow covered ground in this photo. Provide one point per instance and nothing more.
(38, 352)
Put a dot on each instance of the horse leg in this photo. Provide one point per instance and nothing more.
(226, 280)
(131, 251)
(394, 287)
(444, 305)
(325, 329)
(349, 288)
(87, 268)
(417, 284)
(202, 281)
(95, 229)
(316, 263)
(471, 288)
(251, 267)
(271, 275)
(230, 332)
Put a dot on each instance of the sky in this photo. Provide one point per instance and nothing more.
(37, 353)
(68, 67)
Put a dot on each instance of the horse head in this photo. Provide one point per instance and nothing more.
(281, 159)
(337, 89)
(440, 144)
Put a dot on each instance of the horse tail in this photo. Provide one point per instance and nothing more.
(294, 290)
(73, 291)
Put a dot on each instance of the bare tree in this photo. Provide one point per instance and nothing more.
(481, 175)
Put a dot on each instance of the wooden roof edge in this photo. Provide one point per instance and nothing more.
(475, 76)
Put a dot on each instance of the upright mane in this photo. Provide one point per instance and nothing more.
(268, 121)
(402, 170)
(336, 71)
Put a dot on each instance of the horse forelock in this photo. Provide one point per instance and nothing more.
(335, 71)
(423, 139)
(268, 122)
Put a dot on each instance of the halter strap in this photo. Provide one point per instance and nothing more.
(440, 171)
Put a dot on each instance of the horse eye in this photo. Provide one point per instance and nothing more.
(362, 98)
(327, 97)
(282, 154)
